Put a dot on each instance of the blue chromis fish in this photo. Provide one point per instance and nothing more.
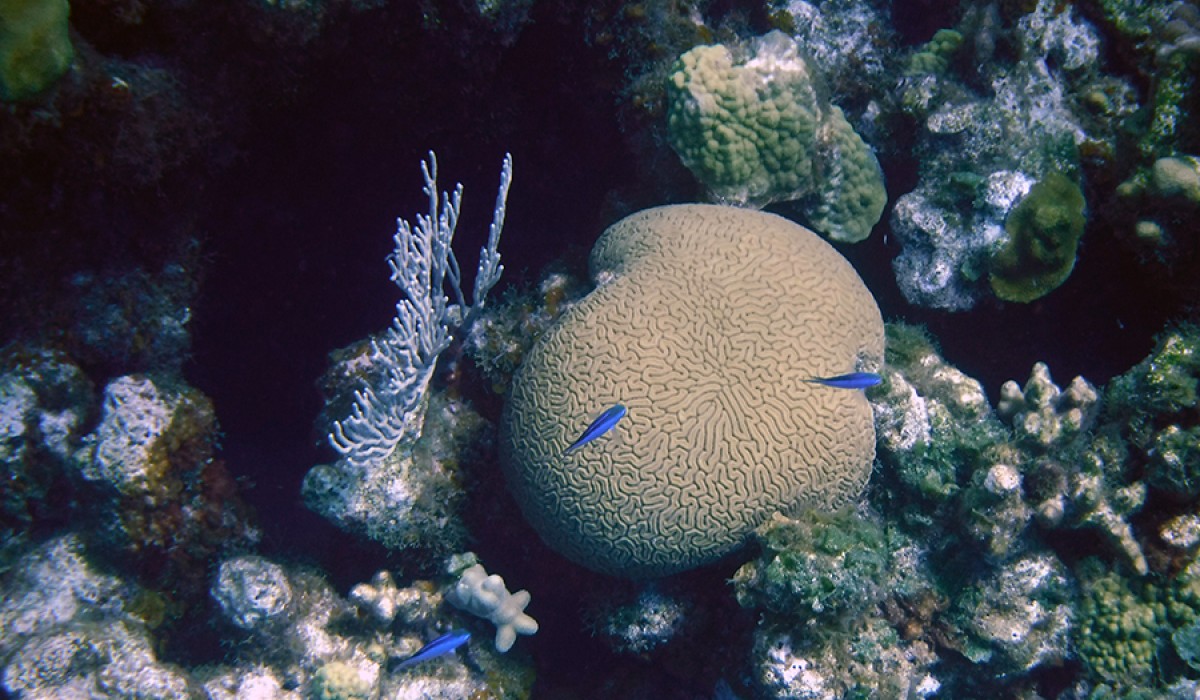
(442, 645)
(854, 380)
(600, 426)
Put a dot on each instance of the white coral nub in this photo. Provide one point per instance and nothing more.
(381, 597)
(488, 597)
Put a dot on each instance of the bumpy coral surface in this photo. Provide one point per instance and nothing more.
(759, 131)
(1116, 638)
(817, 565)
(162, 502)
(707, 325)
(723, 117)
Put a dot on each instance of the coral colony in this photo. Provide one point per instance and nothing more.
(708, 465)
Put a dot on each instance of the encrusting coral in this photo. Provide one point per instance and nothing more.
(1043, 234)
(989, 133)
(728, 312)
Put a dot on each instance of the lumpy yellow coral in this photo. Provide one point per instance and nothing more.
(35, 48)
(757, 130)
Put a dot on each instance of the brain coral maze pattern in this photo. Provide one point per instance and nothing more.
(705, 324)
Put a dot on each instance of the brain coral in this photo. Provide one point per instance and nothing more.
(705, 322)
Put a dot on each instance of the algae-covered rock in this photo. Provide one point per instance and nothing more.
(866, 659)
(934, 423)
(1154, 405)
(1020, 616)
(1175, 461)
(816, 565)
(1165, 386)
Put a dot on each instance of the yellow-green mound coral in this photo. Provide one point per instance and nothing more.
(35, 49)
(706, 324)
(1119, 620)
(934, 56)
(758, 130)
(1043, 233)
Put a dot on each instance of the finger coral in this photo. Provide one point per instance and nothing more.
(485, 595)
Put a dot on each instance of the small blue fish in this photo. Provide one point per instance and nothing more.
(442, 645)
(600, 426)
(854, 380)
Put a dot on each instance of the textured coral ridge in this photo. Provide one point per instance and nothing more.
(705, 322)
(759, 131)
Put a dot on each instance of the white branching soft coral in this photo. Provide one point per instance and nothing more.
(422, 265)
(487, 597)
